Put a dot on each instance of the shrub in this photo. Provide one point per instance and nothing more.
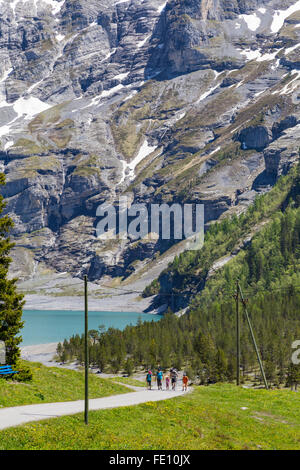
(24, 375)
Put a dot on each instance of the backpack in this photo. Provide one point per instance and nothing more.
(149, 377)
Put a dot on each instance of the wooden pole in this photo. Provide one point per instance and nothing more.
(238, 337)
(86, 349)
(253, 339)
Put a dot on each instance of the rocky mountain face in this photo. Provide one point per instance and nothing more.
(184, 100)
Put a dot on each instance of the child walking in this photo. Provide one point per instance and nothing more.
(185, 381)
(149, 379)
(168, 382)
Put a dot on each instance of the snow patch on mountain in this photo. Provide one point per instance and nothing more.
(25, 108)
(293, 84)
(5, 75)
(291, 49)
(257, 54)
(143, 42)
(30, 107)
(129, 168)
(281, 15)
(54, 4)
(253, 21)
(162, 7)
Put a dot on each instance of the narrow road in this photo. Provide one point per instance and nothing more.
(10, 417)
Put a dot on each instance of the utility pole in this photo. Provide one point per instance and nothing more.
(253, 338)
(86, 349)
(238, 336)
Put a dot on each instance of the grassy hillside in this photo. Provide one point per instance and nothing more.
(54, 385)
(215, 417)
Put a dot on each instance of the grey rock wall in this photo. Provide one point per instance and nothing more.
(178, 101)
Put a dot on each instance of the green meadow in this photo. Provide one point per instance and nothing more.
(220, 416)
(130, 381)
(54, 385)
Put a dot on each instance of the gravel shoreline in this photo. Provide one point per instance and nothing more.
(43, 353)
(116, 303)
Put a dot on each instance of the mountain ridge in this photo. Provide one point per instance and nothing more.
(98, 100)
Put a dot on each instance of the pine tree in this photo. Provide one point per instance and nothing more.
(221, 366)
(11, 308)
(293, 376)
(129, 366)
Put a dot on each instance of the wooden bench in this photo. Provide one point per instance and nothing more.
(7, 370)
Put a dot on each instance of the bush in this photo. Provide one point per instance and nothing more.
(128, 367)
(24, 375)
(190, 373)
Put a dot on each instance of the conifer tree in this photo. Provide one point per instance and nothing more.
(293, 376)
(11, 303)
(220, 366)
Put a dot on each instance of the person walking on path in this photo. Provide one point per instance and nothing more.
(174, 375)
(168, 382)
(185, 381)
(149, 379)
(159, 378)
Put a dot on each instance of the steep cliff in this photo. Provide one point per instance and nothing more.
(193, 101)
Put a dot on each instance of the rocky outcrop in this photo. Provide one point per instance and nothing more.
(203, 33)
(286, 123)
(254, 137)
(283, 153)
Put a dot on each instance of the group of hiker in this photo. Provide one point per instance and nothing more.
(170, 379)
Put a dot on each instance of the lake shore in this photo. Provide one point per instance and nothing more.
(43, 353)
(114, 303)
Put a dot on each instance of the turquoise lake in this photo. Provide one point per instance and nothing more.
(46, 326)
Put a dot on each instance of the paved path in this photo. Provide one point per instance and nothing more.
(10, 417)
